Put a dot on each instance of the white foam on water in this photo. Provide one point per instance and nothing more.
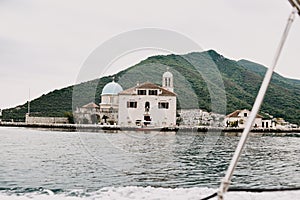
(151, 193)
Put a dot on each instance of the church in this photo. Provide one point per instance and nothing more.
(146, 104)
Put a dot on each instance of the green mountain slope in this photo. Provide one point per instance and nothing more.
(195, 84)
(292, 84)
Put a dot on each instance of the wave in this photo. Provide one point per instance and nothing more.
(136, 193)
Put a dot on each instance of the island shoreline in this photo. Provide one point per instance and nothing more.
(97, 127)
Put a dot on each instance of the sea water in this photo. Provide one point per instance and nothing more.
(47, 164)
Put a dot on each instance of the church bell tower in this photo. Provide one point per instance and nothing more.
(167, 81)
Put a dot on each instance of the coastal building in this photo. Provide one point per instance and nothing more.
(239, 118)
(87, 114)
(148, 104)
(110, 103)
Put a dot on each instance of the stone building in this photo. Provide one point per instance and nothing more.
(87, 114)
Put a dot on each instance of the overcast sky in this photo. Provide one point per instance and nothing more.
(43, 43)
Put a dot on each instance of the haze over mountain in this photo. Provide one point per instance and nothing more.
(198, 84)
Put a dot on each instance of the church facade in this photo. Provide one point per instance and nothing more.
(148, 104)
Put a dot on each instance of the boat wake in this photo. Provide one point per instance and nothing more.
(134, 192)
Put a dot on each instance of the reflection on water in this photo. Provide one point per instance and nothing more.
(69, 160)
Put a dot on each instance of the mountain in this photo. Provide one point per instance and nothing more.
(205, 80)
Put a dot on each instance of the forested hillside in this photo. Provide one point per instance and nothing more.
(194, 75)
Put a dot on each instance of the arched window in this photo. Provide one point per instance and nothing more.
(147, 106)
(166, 82)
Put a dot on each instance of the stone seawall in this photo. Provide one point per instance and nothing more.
(46, 120)
(96, 127)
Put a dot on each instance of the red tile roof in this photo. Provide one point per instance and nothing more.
(90, 105)
(234, 114)
(147, 85)
(237, 112)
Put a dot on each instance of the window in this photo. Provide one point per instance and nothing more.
(168, 82)
(147, 106)
(142, 92)
(163, 105)
(153, 92)
(131, 104)
(245, 114)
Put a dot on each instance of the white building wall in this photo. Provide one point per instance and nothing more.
(242, 119)
(109, 99)
(258, 122)
(160, 117)
(267, 123)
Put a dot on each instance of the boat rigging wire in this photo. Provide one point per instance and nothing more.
(295, 4)
(259, 99)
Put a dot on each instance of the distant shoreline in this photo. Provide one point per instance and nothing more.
(96, 127)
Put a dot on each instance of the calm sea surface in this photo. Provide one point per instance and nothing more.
(32, 159)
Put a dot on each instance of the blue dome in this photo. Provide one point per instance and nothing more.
(112, 88)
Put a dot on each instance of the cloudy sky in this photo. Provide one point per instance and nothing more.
(43, 43)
